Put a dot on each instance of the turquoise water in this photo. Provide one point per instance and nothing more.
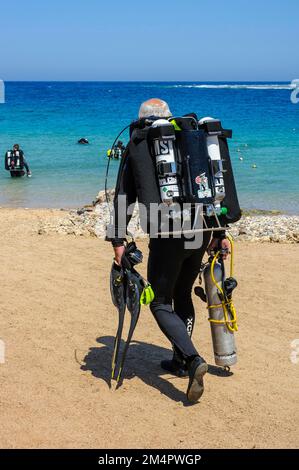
(47, 119)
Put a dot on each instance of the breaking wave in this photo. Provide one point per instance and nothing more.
(240, 86)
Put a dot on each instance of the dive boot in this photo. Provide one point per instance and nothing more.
(176, 366)
(197, 369)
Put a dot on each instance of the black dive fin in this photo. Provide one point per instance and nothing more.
(117, 341)
(117, 288)
(133, 293)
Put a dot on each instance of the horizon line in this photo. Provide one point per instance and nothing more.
(150, 81)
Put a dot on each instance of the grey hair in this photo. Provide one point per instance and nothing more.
(154, 107)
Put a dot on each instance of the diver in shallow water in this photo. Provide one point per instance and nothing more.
(120, 148)
(15, 162)
(117, 151)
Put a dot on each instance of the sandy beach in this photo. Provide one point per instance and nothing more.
(58, 323)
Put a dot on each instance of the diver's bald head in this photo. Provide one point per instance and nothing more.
(154, 107)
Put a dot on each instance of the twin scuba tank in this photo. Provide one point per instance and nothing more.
(189, 166)
(14, 161)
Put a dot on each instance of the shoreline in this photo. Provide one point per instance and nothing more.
(101, 199)
(91, 221)
(245, 212)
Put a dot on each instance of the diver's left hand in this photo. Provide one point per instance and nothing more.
(118, 254)
(224, 245)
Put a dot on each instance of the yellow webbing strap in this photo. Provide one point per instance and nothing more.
(175, 125)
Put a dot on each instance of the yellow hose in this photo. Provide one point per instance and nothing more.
(232, 254)
(229, 311)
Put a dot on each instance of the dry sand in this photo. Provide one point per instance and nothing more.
(58, 325)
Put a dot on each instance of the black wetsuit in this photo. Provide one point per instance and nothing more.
(172, 271)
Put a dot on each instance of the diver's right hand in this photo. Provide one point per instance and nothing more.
(118, 253)
(217, 244)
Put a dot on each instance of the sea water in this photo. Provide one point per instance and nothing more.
(48, 118)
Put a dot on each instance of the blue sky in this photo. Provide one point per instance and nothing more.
(191, 40)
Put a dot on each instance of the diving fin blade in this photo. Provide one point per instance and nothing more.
(117, 289)
(117, 341)
(134, 321)
(133, 296)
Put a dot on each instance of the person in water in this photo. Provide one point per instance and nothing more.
(117, 151)
(120, 148)
(18, 153)
(172, 271)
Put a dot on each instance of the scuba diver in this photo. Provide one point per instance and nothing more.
(15, 162)
(117, 151)
(172, 266)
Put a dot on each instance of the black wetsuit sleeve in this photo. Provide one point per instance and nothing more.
(125, 195)
(25, 163)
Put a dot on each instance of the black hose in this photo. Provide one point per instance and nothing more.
(108, 166)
